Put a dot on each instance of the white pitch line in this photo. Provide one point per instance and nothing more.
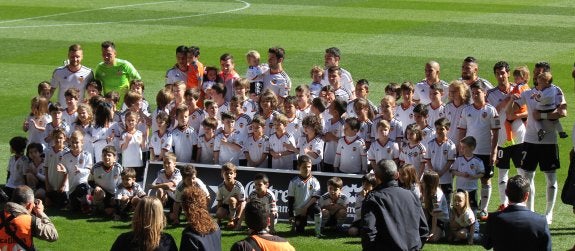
(82, 11)
(246, 5)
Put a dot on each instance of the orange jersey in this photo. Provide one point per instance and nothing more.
(517, 90)
(195, 75)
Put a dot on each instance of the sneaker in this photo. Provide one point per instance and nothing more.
(540, 134)
(501, 207)
(563, 135)
(482, 216)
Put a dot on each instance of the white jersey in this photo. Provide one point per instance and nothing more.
(50, 127)
(414, 155)
(257, 149)
(548, 99)
(255, 73)
(453, 114)
(378, 151)
(174, 74)
(250, 108)
(51, 160)
(315, 145)
(336, 128)
(64, 79)
(529, 97)
(99, 139)
(223, 195)
(206, 149)
(17, 169)
(479, 123)
(294, 128)
(68, 118)
(107, 180)
(345, 79)
(158, 143)
(196, 118)
(351, 155)
(302, 190)
(435, 114)
(302, 113)
(279, 83)
(132, 155)
(276, 144)
(358, 201)
(162, 177)
(326, 200)
(405, 115)
(342, 94)
(78, 168)
(136, 190)
(35, 135)
(427, 133)
(181, 186)
(472, 166)
(183, 142)
(395, 129)
(514, 132)
(268, 200)
(226, 152)
(242, 124)
(365, 131)
(421, 92)
(438, 154)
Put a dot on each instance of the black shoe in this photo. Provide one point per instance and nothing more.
(540, 134)
(563, 135)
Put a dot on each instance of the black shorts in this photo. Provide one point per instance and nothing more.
(544, 155)
(513, 153)
(488, 168)
(109, 200)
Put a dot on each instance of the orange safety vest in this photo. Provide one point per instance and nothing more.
(267, 245)
(15, 232)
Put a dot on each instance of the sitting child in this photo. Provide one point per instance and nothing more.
(106, 177)
(189, 178)
(303, 193)
(128, 194)
(368, 182)
(333, 204)
(231, 197)
(461, 219)
(167, 180)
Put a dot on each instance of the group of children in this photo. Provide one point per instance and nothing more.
(91, 153)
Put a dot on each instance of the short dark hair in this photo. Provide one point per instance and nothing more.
(333, 51)
(517, 188)
(386, 170)
(353, 123)
(256, 215)
(499, 65)
(182, 49)
(542, 64)
(194, 50)
(470, 59)
(108, 44)
(18, 144)
(277, 51)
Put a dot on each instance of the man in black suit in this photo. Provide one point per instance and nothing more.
(516, 227)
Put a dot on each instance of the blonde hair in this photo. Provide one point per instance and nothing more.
(465, 199)
(462, 88)
(148, 222)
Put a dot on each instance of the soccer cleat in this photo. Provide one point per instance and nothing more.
(483, 216)
(540, 134)
(563, 135)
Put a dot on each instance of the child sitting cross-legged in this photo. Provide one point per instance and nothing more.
(333, 204)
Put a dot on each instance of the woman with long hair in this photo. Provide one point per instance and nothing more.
(202, 233)
(147, 225)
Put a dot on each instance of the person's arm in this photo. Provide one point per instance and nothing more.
(494, 139)
(43, 228)
(369, 233)
(558, 113)
(446, 168)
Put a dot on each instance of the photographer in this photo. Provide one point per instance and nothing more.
(22, 219)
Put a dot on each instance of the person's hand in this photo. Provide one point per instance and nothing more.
(38, 207)
(61, 168)
(26, 125)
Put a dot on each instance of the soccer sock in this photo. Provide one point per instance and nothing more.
(551, 179)
(485, 197)
(317, 221)
(232, 213)
(502, 178)
(529, 176)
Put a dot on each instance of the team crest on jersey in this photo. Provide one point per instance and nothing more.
(310, 187)
(472, 166)
(388, 150)
(81, 78)
(354, 148)
(411, 116)
(81, 161)
(194, 116)
(260, 145)
(161, 142)
(484, 115)
(445, 152)
(241, 125)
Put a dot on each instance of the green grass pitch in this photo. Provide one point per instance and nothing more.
(382, 41)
